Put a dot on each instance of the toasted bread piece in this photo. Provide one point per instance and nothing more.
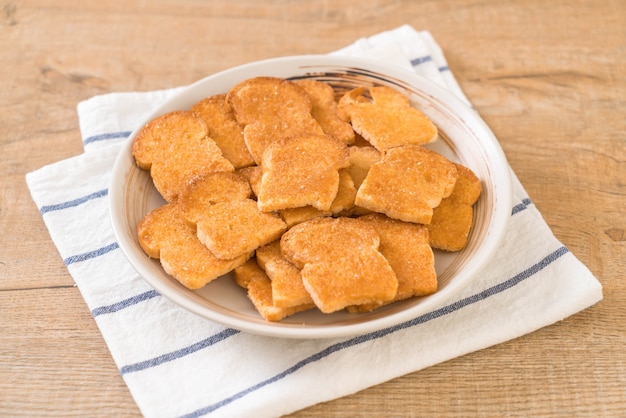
(291, 216)
(227, 222)
(211, 188)
(301, 171)
(287, 287)
(324, 109)
(346, 193)
(340, 262)
(406, 246)
(270, 108)
(244, 273)
(452, 219)
(343, 203)
(361, 159)
(233, 228)
(387, 121)
(295, 216)
(251, 277)
(407, 184)
(175, 147)
(224, 129)
(253, 175)
(162, 234)
(348, 102)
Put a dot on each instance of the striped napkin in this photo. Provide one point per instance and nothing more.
(177, 364)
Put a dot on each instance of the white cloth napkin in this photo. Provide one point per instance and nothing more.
(177, 364)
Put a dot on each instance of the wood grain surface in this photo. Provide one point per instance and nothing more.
(549, 77)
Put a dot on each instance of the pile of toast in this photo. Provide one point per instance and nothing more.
(311, 197)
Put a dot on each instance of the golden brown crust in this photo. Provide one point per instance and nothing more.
(175, 148)
(348, 103)
(452, 219)
(388, 120)
(342, 204)
(162, 234)
(301, 171)
(232, 228)
(245, 272)
(295, 216)
(227, 222)
(361, 159)
(324, 110)
(253, 175)
(406, 247)
(340, 262)
(287, 287)
(209, 189)
(407, 184)
(224, 129)
(346, 193)
(259, 288)
(271, 108)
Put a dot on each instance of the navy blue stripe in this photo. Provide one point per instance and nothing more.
(220, 336)
(420, 60)
(103, 137)
(91, 254)
(124, 303)
(501, 287)
(444, 68)
(72, 203)
(521, 206)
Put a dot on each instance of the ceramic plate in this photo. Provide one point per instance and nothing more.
(464, 138)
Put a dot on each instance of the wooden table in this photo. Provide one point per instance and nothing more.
(548, 77)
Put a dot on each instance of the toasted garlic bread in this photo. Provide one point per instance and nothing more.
(233, 228)
(407, 184)
(387, 121)
(162, 234)
(346, 193)
(253, 175)
(175, 147)
(452, 219)
(251, 277)
(301, 171)
(347, 105)
(224, 129)
(406, 246)
(226, 220)
(287, 287)
(295, 216)
(340, 262)
(271, 108)
(343, 203)
(361, 159)
(324, 110)
(204, 191)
